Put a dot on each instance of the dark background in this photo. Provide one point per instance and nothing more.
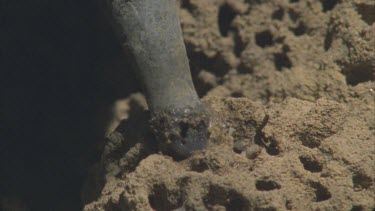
(56, 85)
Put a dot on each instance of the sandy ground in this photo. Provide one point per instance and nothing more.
(290, 87)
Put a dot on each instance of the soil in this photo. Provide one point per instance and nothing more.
(291, 93)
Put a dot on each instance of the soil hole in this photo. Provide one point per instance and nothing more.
(328, 40)
(309, 141)
(357, 208)
(216, 66)
(163, 199)
(200, 61)
(264, 39)
(278, 14)
(367, 13)
(198, 165)
(188, 6)
(293, 1)
(266, 185)
(115, 207)
(293, 15)
(321, 192)
(237, 94)
(230, 199)
(358, 73)
(184, 127)
(204, 81)
(236, 204)
(361, 181)
(328, 4)
(273, 150)
(270, 143)
(282, 61)
(226, 16)
(310, 164)
(300, 29)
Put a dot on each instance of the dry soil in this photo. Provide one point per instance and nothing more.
(291, 92)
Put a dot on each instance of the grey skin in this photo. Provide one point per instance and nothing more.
(151, 30)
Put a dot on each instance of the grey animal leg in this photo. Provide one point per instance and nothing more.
(151, 30)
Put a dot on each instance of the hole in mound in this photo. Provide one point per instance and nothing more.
(216, 196)
(310, 164)
(282, 61)
(114, 207)
(270, 143)
(200, 61)
(228, 198)
(226, 16)
(359, 73)
(204, 81)
(164, 199)
(328, 4)
(278, 14)
(264, 39)
(293, 1)
(266, 185)
(184, 127)
(367, 12)
(300, 29)
(186, 4)
(309, 140)
(273, 148)
(293, 15)
(321, 192)
(236, 204)
(217, 66)
(361, 181)
(328, 39)
(357, 208)
(198, 165)
(237, 94)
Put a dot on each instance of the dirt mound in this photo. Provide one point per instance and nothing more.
(272, 50)
(296, 155)
(290, 84)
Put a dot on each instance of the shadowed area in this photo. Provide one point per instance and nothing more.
(56, 77)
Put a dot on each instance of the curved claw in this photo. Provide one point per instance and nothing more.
(180, 133)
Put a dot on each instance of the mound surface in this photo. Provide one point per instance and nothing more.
(296, 155)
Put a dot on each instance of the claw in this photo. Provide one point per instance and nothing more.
(181, 133)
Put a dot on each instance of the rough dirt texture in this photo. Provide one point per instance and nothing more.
(290, 86)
